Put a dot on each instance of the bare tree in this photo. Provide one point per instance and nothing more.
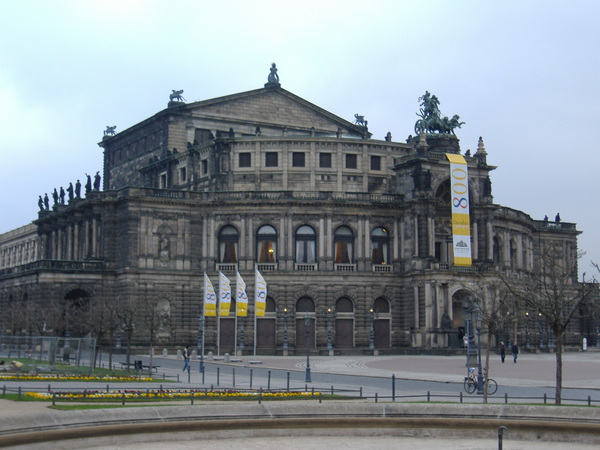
(151, 317)
(103, 321)
(127, 315)
(554, 293)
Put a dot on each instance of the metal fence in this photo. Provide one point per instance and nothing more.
(48, 353)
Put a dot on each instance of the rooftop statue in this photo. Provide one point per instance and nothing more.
(360, 120)
(273, 79)
(431, 119)
(110, 131)
(176, 96)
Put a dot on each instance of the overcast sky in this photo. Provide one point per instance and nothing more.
(522, 74)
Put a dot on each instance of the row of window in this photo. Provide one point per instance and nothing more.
(299, 160)
(305, 244)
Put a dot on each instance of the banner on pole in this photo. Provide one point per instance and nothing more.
(224, 295)
(241, 299)
(461, 224)
(210, 298)
(261, 294)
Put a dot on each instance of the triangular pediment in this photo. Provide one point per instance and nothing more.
(271, 107)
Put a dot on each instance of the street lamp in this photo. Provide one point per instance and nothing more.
(470, 339)
(329, 337)
(527, 339)
(285, 332)
(201, 343)
(372, 331)
(478, 324)
(540, 332)
(307, 332)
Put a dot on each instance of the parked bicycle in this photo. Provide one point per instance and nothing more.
(470, 383)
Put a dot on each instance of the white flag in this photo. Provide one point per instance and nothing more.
(261, 294)
(224, 295)
(210, 298)
(241, 299)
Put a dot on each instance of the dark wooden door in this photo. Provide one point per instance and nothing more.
(301, 335)
(265, 333)
(227, 333)
(382, 333)
(344, 333)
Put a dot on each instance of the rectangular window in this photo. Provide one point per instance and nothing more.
(163, 181)
(182, 175)
(325, 160)
(245, 159)
(204, 166)
(351, 161)
(298, 159)
(375, 162)
(271, 159)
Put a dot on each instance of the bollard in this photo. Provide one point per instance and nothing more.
(331, 390)
(260, 396)
(428, 396)
(306, 388)
(375, 397)
(53, 399)
(123, 399)
(4, 389)
(589, 401)
(218, 375)
(203, 376)
(506, 398)
(19, 392)
(544, 398)
(269, 381)
(320, 397)
(49, 389)
(500, 431)
(460, 395)
(107, 389)
(288, 382)
(250, 378)
(312, 392)
(393, 387)
(233, 374)
(360, 392)
(192, 398)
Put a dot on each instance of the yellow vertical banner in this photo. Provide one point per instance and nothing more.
(224, 295)
(461, 223)
(210, 298)
(241, 299)
(260, 296)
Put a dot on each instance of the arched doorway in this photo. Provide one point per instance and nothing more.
(305, 306)
(382, 323)
(265, 328)
(463, 302)
(344, 323)
(74, 315)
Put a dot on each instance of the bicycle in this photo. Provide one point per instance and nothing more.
(470, 383)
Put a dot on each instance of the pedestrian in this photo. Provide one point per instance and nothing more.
(515, 351)
(186, 358)
(502, 352)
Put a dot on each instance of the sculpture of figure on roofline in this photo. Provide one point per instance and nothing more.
(97, 181)
(176, 96)
(431, 119)
(273, 78)
(110, 131)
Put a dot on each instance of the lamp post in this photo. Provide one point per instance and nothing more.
(470, 339)
(307, 332)
(478, 324)
(372, 331)
(540, 332)
(329, 337)
(285, 333)
(527, 339)
(201, 343)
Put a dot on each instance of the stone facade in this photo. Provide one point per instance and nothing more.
(352, 232)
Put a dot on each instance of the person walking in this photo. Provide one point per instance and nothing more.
(515, 351)
(502, 352)
(186, 358)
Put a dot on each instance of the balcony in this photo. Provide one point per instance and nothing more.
(226, 267)
(344, 267)
(382, 268)
(266, 267)
(305, 267)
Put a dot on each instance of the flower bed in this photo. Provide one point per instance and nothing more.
(57, 377)
(161, 394)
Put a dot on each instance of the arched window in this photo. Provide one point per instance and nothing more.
(381, 305)
(497, 251)
(344, 305)
(305, 304)
(513, 254)
(266, 242)
(306, 245)
(344, 245)
(380, 246)
(228, 244)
